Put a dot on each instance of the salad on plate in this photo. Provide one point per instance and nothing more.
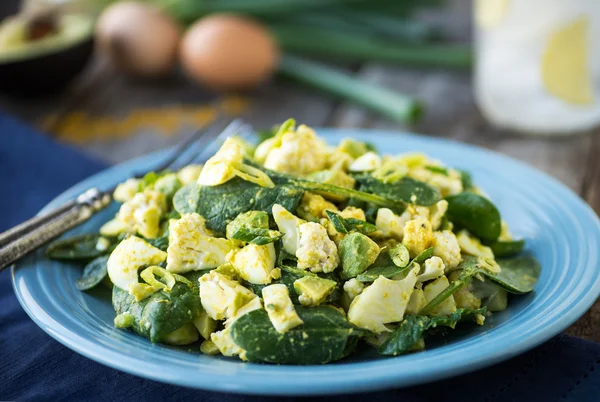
(296, 252)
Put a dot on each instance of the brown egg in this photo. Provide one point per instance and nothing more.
(226, 52)
(138, 38)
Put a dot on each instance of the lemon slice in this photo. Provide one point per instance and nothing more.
(489, 13)
(565, 71)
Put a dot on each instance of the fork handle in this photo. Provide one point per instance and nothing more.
(35, 232)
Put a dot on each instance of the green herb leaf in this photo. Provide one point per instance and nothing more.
(406, 190)
(93, 273)
(346, 225)
(80, 247)
(159, 242)
(427, 253)
(257, 236)
(321, 339)
(517, 275)
(437, 169)
(466, 179)
(475, 213)
(161, 313)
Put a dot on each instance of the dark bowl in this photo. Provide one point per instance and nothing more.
(45, 73)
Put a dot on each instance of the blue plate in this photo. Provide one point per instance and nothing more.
(560, 229)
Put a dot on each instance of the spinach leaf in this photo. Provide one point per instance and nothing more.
(406, 189)
(252, 227)
(80, 247)
(506, 248)
(322, 338)
(475, 213)
(162, 312)
(159, 242)
(346, 225)
(517, 275)
(93, 273)
(415, 327)
(221, 204)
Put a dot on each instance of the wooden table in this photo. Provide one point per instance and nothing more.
(451, 113)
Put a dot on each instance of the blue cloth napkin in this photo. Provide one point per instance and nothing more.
(33, 366)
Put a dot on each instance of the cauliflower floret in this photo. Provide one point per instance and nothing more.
(445, 245)
(417, 236)
(142, 213)
(436, 213)
(472, 246)
(382, 302)
(353, 288)
(189, 174)
(221, 296)
(316, 251)
(126, 190)
(192, 248)
(280, 308)
(130, 255)
(288, 224)
(448, 306)
(228, 163)
(313, 290)
(254, 263)
(353, 212)
(366, 163)
(434, 268)
(390, 224)
(313, 206)
(298, 152)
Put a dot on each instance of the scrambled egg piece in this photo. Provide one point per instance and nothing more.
(416, 303)
(130, 255)
(223, 340)
(390, 224)
(228, 163)
(316, 251)
(418, 236)
(383, 302)
(353, 212)
(366, 163)
(142, 213)
(313, 206)
(437, 213)
(434, 268)
(288, 224)
(448, 306)
(126, 190)
(463, 297)
(254, 263)
(447, 184)
(313, 290)
(353, 288)
(298, 151)
(192, 248)
(472, 246)
(280, 309)
(189, 174)
(445, 245)
(221, 296)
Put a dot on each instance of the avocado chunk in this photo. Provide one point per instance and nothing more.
(313, 290)
(357, 253)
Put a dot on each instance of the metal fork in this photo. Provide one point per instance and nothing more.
(15, 243)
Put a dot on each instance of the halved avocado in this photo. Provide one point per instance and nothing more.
(43, 55)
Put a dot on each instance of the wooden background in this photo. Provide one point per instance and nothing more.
(450, 113)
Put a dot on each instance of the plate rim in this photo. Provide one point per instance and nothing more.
(341, 385)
